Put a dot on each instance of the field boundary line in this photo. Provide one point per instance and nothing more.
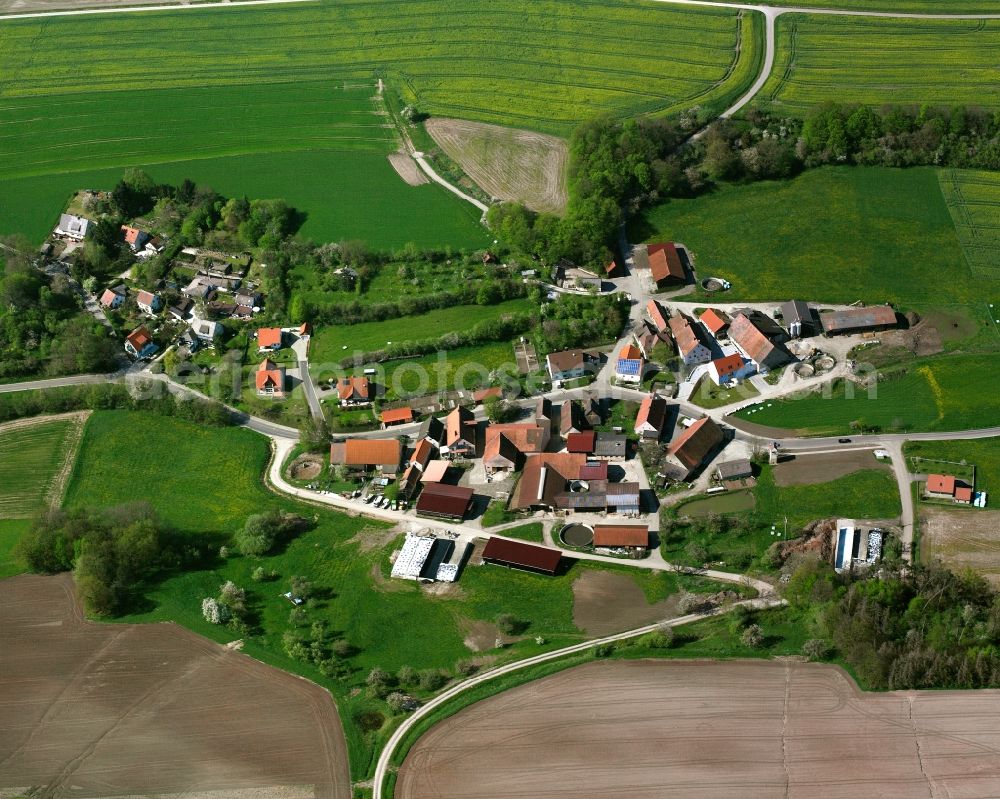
(385, 756)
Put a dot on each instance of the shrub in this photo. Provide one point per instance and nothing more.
(752, 637)
(377, 682)
(407, 676)
(817, 649)
(431, 679)
(509, 624)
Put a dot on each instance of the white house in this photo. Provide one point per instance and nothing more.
(689, 344)
(112, 298)
(730, 368)
(206, 330)
(73, 227)
(148, 302)
(139, 343)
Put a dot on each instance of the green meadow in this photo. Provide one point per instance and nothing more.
(327, 345)
(204, 482)
(947, 393)
(279, 101)
(319, 146)
(866, 494)
(875, 60)
(982, 453)
(30, 458)
(973, 198)
(837, 234)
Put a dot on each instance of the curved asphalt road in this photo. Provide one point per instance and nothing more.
(385, 757)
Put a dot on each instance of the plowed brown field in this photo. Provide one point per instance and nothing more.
(111, 709)
(698, 729)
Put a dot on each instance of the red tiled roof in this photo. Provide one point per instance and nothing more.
(348, 387)
(594, 471)
(517, 553)
(658, 314)
(621, 535)
(963, 493)
(714, 320)
(422, 453)
(269, 337)
(728, 365)
(665, 262)
(145, 297)
(366, 452)
(691, 447)
(270, 374)
(559, 468)
(139, 338)
(131, 234)
(486, 393)
(612, 269)
(397, 415)
(652, 411)
(684, 334)
(941, 484)
(581, 442)
(458, 426)
(441, 499)
(630, 353)
(745, 334)
(108, 297)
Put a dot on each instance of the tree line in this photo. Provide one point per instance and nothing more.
(900, 628)
(619, 167)
(113, 396)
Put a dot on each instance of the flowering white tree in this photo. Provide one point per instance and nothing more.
(213, 611)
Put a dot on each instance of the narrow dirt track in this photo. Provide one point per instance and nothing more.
(700, 729)
(116, 709)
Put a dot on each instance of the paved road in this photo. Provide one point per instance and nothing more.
(301, 349)
(183, 5)
(772, 12)
(385, 756)
(56, 382)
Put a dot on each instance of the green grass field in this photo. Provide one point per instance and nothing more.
(327, 345)
(346, 187)
(974, 201)
(946, 393)
(984, 454)
(830, 235)
(866, 494)
(902, 6)
(874, 61)
(205, 481)
(30, 459)
(277, 102)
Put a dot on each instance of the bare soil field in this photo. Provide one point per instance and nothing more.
(822, 468)
(508, 163)
(698, 729)
(608, 602)
(962, 538)
(116, 709)
(407, 168)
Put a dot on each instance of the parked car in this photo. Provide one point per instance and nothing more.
(843, 440)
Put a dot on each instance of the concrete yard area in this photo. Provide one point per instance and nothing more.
(141, 709)
(698, 729)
